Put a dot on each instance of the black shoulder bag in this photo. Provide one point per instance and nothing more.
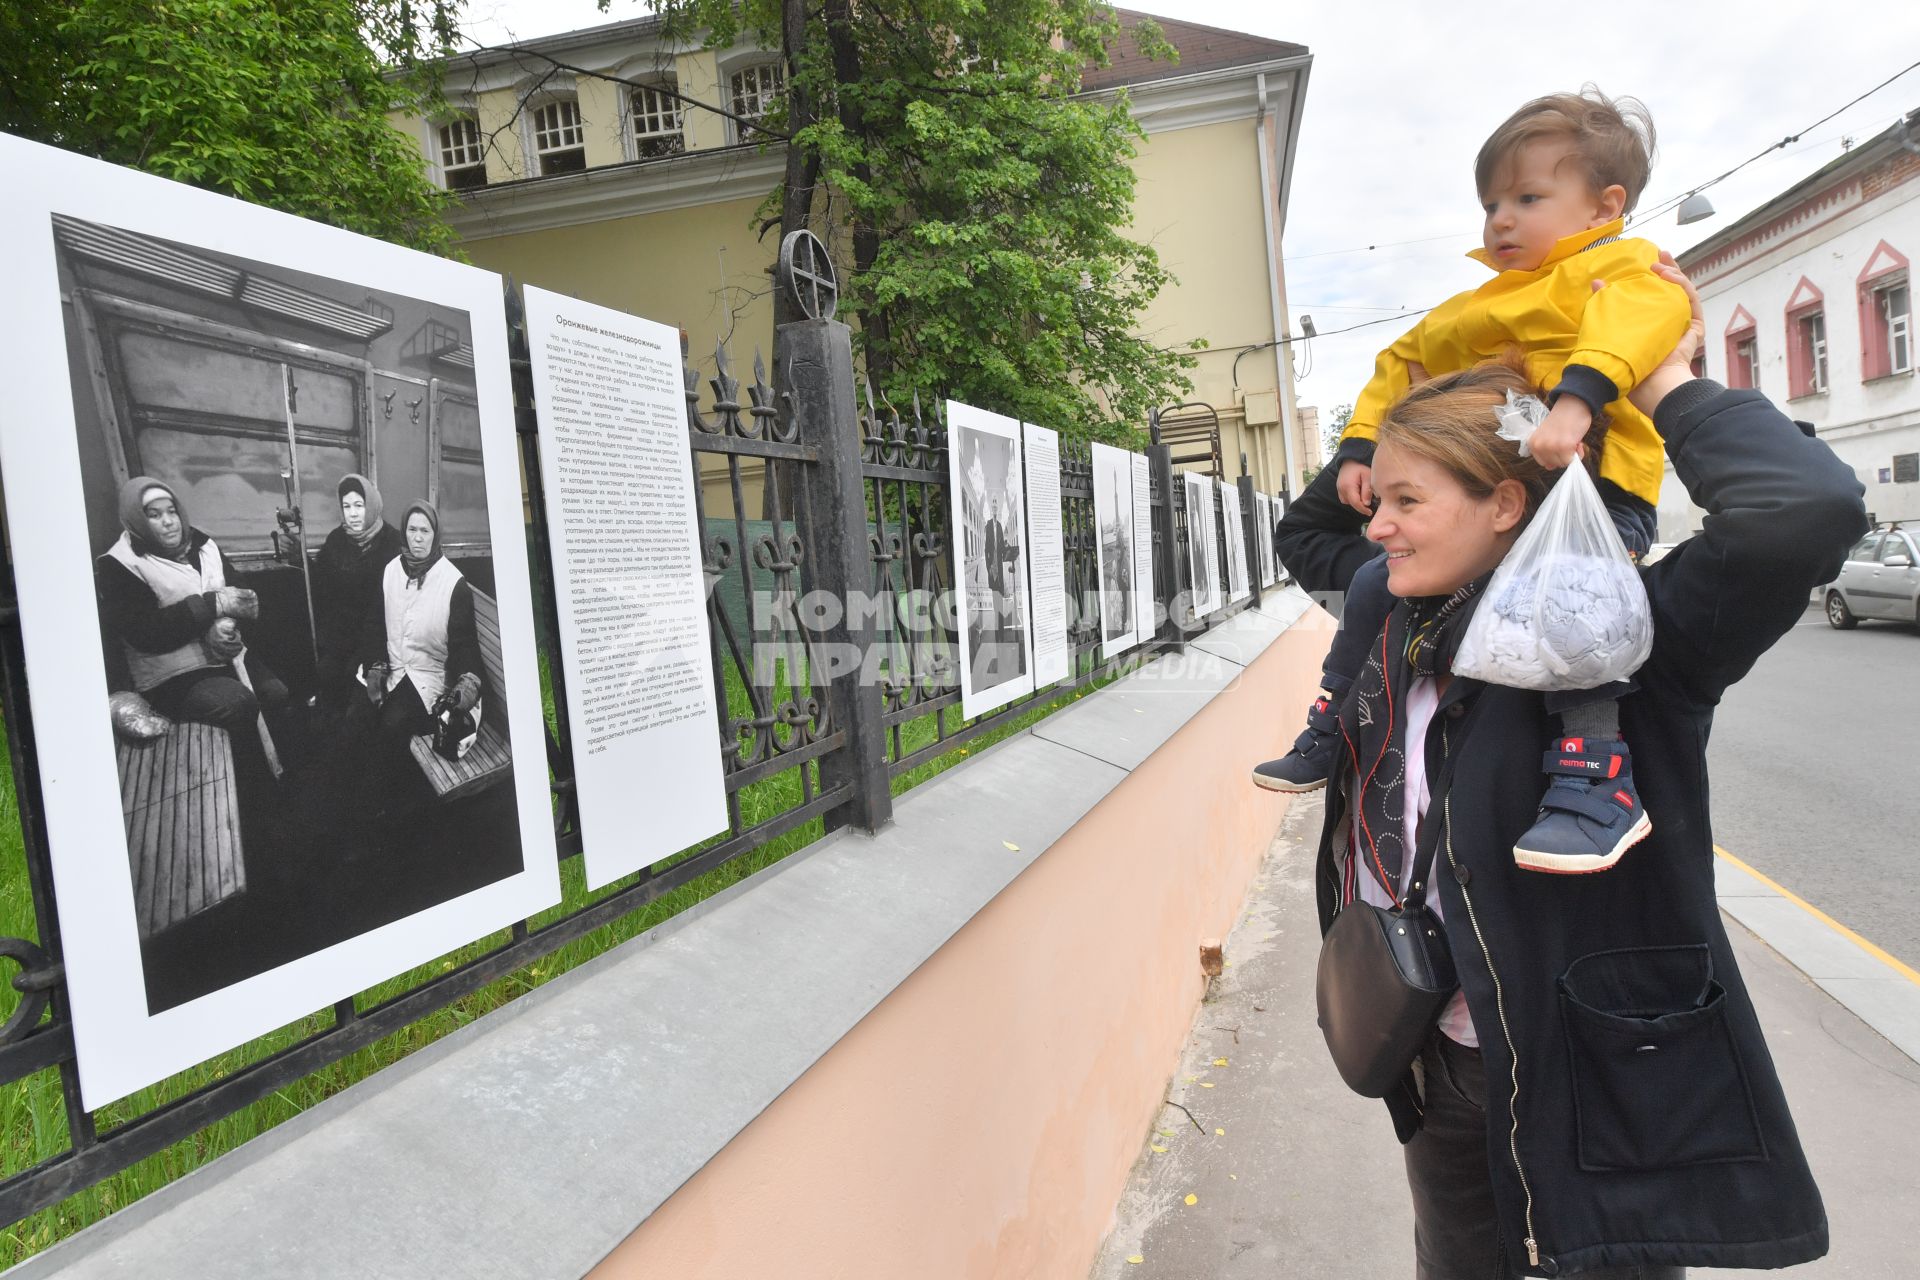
(1384, 977)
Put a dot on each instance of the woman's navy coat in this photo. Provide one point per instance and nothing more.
(1634, 1115)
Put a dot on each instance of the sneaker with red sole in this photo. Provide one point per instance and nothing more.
(1305, 768)
(1591, 813)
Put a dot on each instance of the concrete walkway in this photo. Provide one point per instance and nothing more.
(1258, 1170)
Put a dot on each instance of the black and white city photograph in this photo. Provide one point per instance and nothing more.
(1114, 523)
(1201, 554)
(291, 556)
(1239, 585)
(990, 513)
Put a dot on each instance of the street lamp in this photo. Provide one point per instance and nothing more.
(1695, 208)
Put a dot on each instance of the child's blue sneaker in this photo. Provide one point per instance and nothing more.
(1305, 768)
(1591, 813)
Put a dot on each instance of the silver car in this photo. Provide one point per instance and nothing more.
(1881, 579)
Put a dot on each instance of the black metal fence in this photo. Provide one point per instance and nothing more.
(853, 501)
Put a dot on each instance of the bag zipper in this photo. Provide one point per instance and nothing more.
(1531, 1242)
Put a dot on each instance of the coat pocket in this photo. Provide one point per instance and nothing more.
(1657, 1077)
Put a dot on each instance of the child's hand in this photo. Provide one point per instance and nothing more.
(1556, 441)
(1355, 486)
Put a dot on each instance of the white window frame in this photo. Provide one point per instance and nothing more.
(551, 137)
(663, 119)
(751, 92)
(1816, 326)
(1747, 349)
(470, 152)
(1899, 326)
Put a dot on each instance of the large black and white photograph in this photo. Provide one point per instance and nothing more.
(273, 582)
(989, 511)
(1239, 585)
(1203, 518)
(1113, 546)
(1263, 537)
(1146, 597)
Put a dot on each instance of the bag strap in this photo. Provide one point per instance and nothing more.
(1416, 895)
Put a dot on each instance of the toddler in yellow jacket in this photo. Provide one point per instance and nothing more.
(1590, 317)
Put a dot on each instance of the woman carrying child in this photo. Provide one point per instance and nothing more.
(1555, 182)
(1596, 1099)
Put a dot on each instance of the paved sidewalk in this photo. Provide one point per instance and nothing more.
(1278, 1157)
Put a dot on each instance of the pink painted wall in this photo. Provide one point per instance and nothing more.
(982, 1120)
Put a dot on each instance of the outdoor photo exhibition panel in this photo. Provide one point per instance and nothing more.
(1046, 556)
(989, 510)
(1143, 598)
(1262, 561)
(1264, 508)
(1238, 586)
(1113, 545)
(627, 574)
(1276, 512)
(275, 730)
(1273, 550)
(1203, 557)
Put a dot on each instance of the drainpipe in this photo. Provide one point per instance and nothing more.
(1282, 352)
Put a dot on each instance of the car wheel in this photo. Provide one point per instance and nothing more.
(1838, 615)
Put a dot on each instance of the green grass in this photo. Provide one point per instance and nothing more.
(33, 1118)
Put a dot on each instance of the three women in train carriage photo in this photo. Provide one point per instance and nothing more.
(304, 691)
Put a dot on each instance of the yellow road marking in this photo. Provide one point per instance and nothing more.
(1905, 971)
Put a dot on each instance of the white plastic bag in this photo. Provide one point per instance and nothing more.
(1565, 609)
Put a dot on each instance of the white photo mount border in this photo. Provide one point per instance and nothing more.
(976, 698)
(119, 1046)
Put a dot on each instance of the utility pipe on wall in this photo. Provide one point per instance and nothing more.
(1282, 355)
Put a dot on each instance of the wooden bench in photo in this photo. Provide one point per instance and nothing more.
(489, 761)
(182, 817)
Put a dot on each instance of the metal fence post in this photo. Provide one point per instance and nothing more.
(815, 358)
(1250, 528)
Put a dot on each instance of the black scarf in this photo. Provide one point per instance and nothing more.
(416, 570)
(1419, 639)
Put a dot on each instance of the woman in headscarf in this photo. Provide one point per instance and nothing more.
(165, 596)
(346, 584)
(420, 642)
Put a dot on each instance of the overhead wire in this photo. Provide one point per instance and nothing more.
(1789, 140)
(1643, 215)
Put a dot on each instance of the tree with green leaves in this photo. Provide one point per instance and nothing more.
(980, 205)
(1336, 425)
(280, 102)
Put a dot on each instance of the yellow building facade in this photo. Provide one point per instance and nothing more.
(595, 184)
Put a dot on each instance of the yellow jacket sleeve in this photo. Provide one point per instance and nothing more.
(1630, 326)
(1390, 381)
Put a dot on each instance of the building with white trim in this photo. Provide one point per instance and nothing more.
(615, 193)
(1809, 298)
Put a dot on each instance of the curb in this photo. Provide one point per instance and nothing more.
(1875, 987)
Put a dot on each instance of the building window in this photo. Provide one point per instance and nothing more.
(1890, 318)
(755, 91)
(1808, 332)
(1886, 314)
(1743, 359)
(656, 123)
(559, 137)
(1742, 350)
(1806, 341)
(463, 157)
